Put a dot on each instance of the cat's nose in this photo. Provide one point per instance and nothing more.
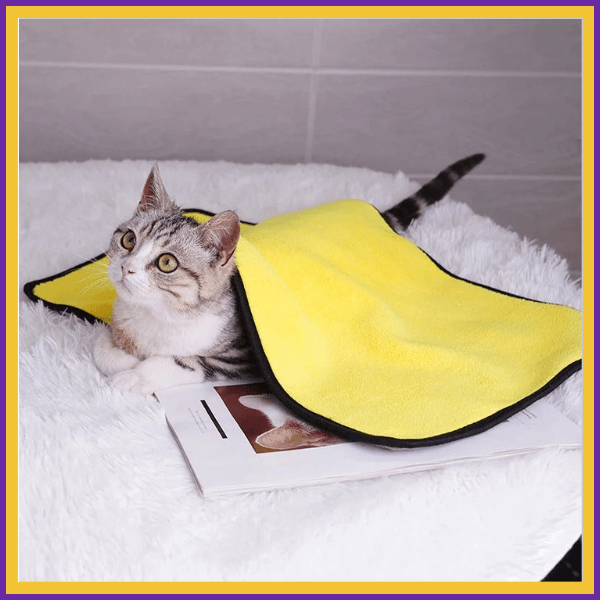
(126, 269)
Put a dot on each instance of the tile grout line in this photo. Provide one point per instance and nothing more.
(305, 70)
(312, 91)
(449, 73)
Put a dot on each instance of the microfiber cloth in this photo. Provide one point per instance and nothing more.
(360, 332)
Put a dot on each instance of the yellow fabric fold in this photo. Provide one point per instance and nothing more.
(361, 327)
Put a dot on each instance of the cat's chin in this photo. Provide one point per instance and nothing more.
(132, 295)
(123, 291)
(151, 307)
(128, 291)
(129, 296)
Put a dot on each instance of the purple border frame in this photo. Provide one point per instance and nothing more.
(221, 3)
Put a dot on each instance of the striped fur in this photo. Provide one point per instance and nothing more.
(230, 358)
(400, 216)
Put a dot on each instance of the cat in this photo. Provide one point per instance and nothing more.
(175, 318)
(287, 431)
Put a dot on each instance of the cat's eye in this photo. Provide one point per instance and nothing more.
(128, 240)
(167, 263)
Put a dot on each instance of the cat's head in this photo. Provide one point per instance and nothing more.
(159, 258)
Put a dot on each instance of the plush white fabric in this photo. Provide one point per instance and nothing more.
(105, 494)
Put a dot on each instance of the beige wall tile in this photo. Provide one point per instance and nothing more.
(77, 114)
(527, 126)
(197, 42)
(453, 44)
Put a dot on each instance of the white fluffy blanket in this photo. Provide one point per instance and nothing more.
(105, 494)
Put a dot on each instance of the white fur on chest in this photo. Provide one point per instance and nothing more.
(154, 335)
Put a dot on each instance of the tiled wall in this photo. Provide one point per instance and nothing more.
(384, 94)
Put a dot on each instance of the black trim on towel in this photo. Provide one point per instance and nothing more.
(29, 287)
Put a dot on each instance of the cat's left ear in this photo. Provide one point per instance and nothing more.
(155, 194)
(220, 236)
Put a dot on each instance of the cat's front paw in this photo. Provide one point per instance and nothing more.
(131, 380)
(154, 374)
(108, 358)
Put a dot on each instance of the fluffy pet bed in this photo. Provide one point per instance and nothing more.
(105, 494)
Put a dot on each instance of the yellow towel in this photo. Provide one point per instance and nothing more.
(358, 331)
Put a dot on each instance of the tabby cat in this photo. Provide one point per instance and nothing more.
(175, 318)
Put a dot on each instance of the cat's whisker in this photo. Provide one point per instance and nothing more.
(96, 271)
(93, 281)
(85, 290)
(86, 258)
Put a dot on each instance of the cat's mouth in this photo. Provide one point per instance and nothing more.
(119, 280)
(123, 286)
(127, 286)
(131, 290)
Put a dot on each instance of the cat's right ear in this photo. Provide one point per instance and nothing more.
(220, 236)
(155, 194)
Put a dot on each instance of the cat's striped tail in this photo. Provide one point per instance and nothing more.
(400, 216)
